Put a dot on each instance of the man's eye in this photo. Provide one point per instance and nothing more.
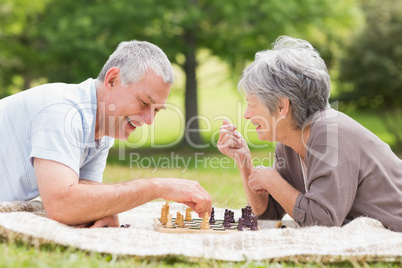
(146, 104)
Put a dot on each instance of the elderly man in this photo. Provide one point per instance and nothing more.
(55, 140)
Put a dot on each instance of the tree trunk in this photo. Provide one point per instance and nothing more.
(192, 135)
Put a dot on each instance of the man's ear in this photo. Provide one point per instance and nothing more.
(284, 106)
(112, 77)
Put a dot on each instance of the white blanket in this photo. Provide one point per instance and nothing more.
(362, 238)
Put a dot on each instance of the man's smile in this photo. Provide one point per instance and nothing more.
(131, 122)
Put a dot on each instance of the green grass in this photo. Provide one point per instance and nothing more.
(218, 99)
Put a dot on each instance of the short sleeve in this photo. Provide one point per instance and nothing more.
(93, 169)
(56, 134)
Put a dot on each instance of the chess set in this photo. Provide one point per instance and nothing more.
(167, 224)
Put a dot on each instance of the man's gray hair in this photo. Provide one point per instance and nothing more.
(134, 58)
(293, 69)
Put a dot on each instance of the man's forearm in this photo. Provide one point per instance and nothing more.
(89, 201)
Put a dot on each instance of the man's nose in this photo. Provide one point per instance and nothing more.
(148, 117)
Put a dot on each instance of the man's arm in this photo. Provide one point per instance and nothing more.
(70, 202)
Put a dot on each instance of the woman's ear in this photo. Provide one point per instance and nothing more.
(284, 106)
(112, 77)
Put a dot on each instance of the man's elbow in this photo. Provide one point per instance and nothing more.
(59, 214)
(59, 209)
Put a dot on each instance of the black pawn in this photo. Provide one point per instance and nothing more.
(241, 224)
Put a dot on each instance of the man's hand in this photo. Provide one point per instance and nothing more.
(109, 221)
(71, 202)
(184, 191)
(231, 142)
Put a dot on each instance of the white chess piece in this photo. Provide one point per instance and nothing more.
(169, 223)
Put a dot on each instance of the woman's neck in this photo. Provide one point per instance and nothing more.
(297, 140)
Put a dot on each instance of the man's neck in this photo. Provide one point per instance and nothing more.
(99, 126)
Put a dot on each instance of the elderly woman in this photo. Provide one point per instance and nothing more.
(328, 169)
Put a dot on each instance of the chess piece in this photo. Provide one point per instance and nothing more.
(254, 223)
(231, 213)
(180, 222)
(241, 225)
(205, 224)
(188, 214)
(163, 215)
(278, 224)
(212, 218)
(169, 223)
(247, 218)
(167, 207)
(177, 218)
(226, 221)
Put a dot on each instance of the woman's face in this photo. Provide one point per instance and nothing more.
(263, 120)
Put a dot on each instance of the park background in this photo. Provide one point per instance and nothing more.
(209, 43)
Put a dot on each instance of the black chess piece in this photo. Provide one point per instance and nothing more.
(231, 214)
(226, 221)
(240, 226)
(254, 223)
(212, 218)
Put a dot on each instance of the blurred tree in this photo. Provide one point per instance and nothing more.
(77, 36)
(372, 67)
(18, 41)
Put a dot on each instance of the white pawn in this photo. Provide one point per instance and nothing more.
(169, 223)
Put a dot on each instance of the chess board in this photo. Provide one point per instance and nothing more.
(194, 226)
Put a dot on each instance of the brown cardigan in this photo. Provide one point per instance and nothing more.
(350, 173)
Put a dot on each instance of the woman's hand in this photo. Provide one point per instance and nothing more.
(259, 178)
(231, 142)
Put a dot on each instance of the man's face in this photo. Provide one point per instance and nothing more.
(132, 106)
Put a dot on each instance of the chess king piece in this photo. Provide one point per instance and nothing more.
(188, 214)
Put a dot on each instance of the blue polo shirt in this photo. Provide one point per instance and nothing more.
(54, 122)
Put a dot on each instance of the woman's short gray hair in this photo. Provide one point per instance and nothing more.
(134, 58)
(292, 69)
